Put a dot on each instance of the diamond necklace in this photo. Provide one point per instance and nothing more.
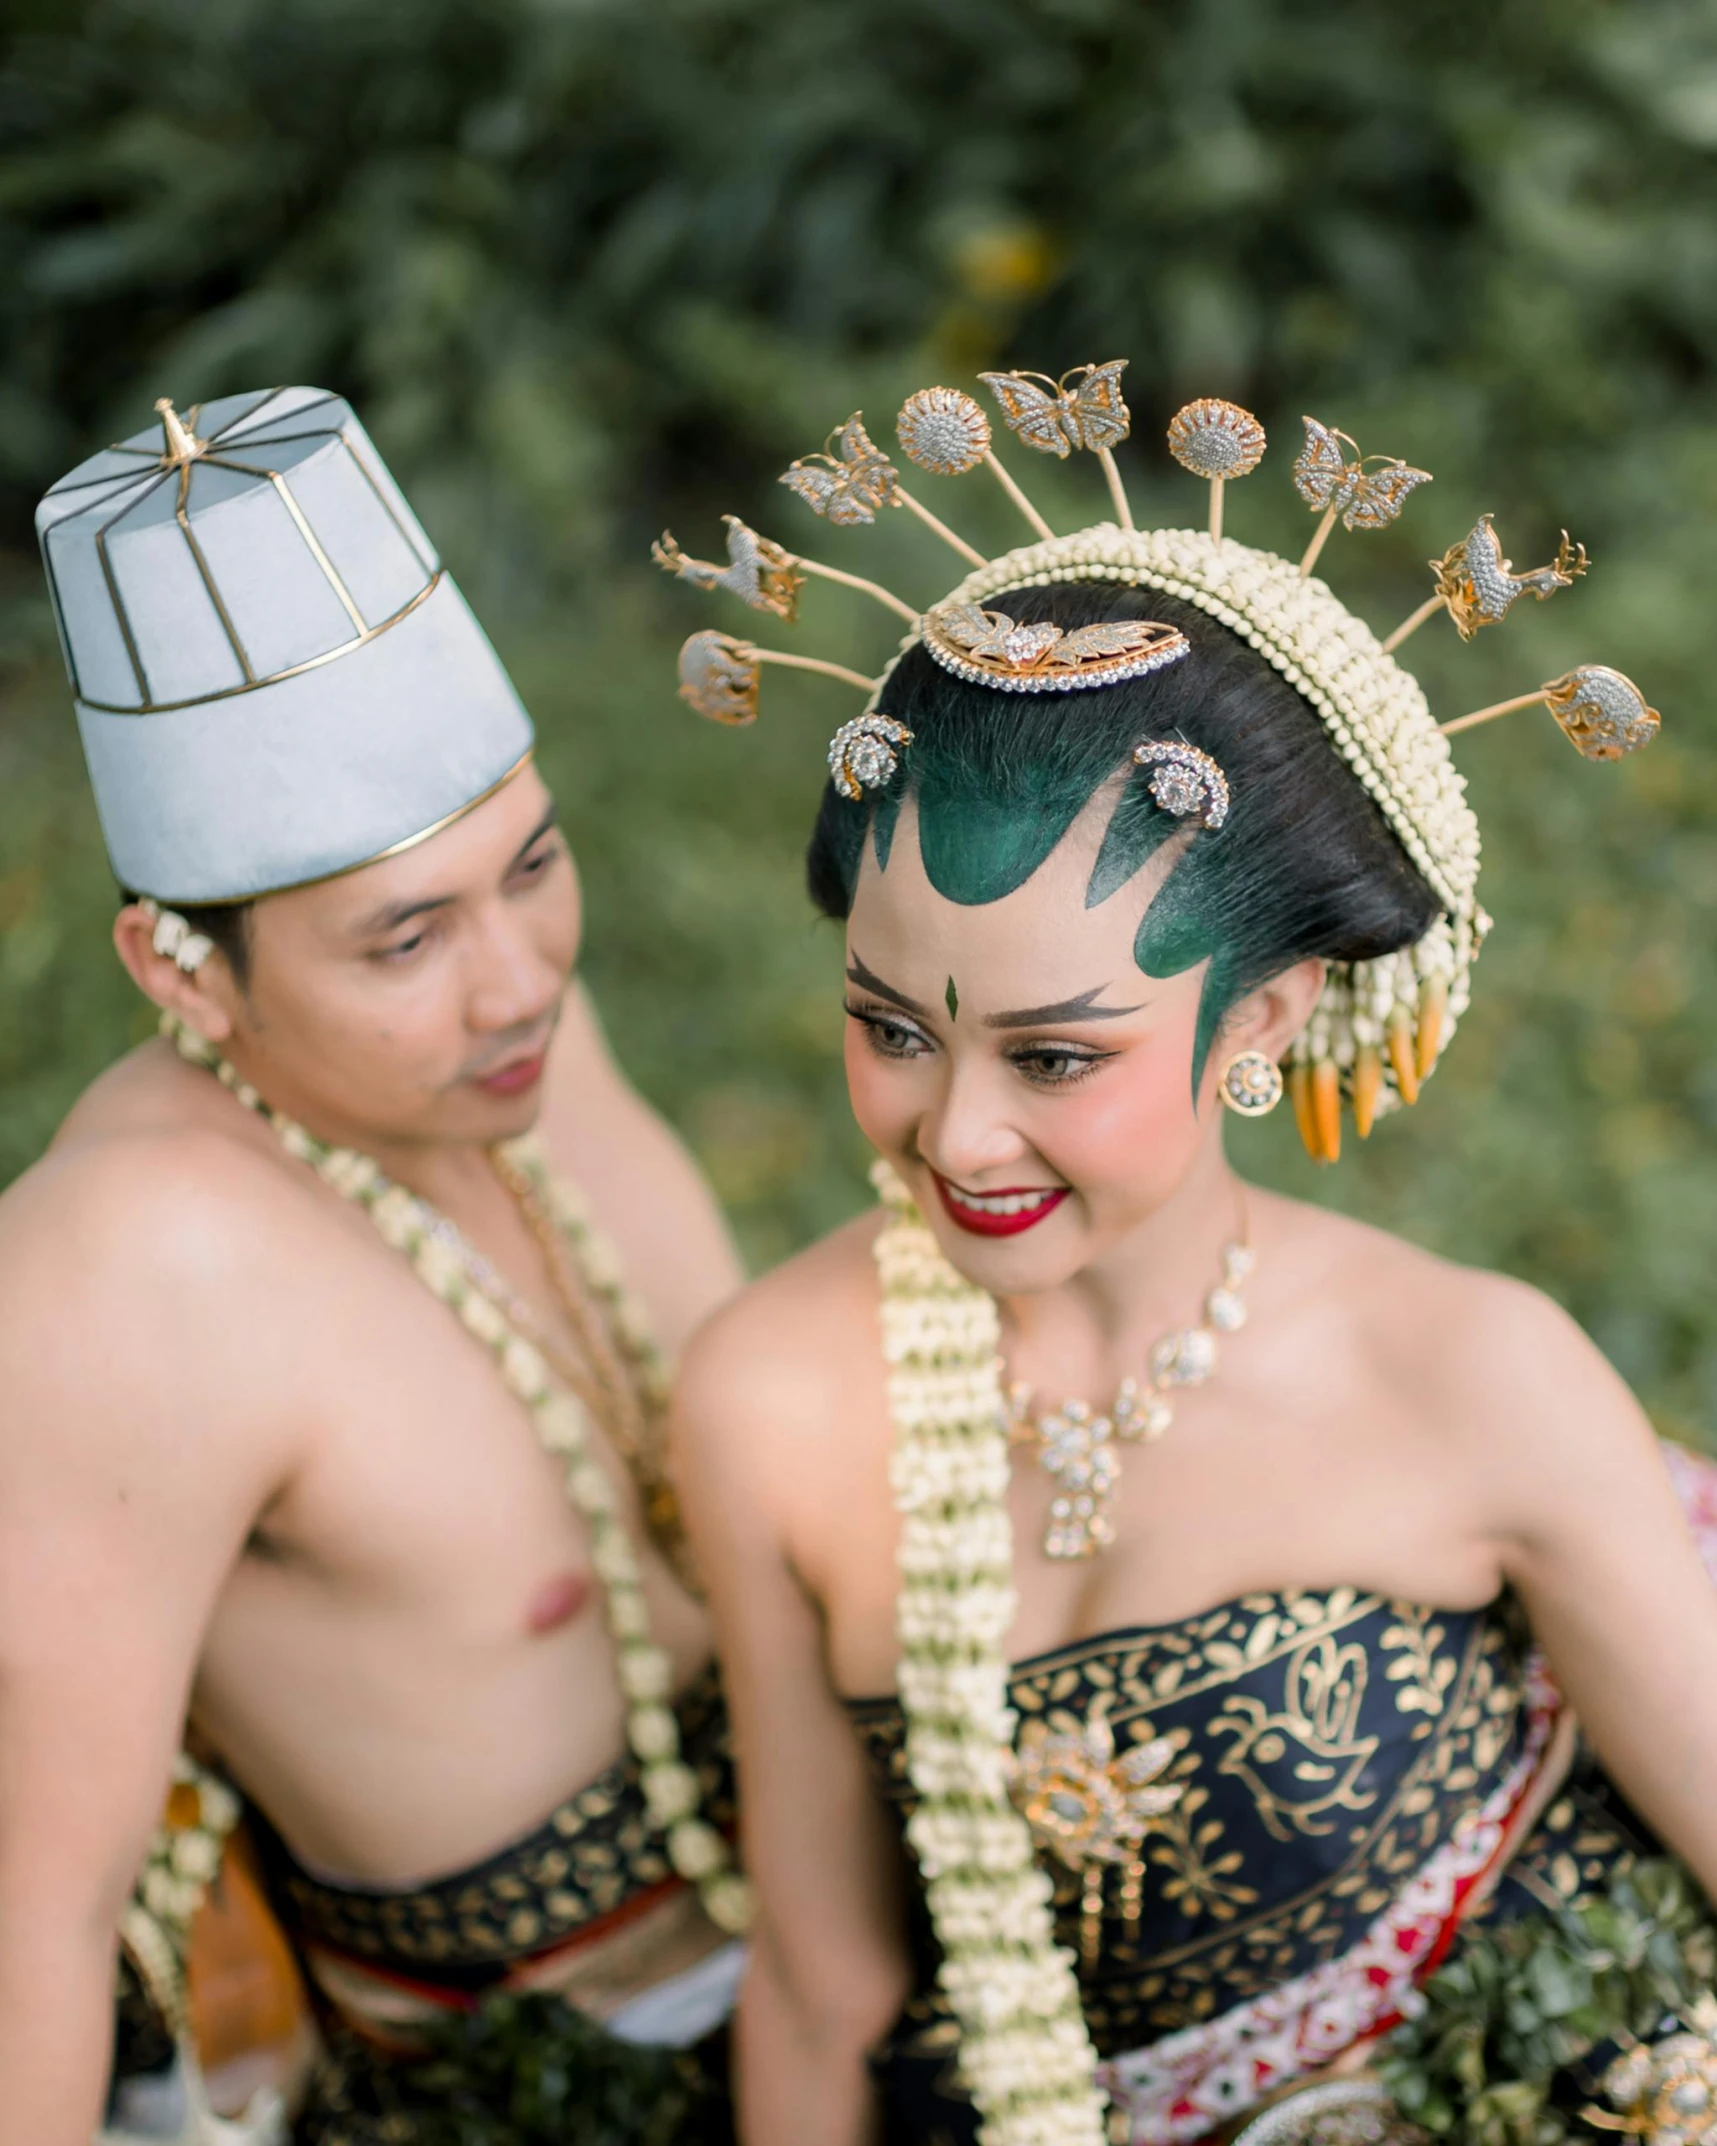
(1080, 1450)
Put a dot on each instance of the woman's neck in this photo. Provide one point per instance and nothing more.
(1154, 1279)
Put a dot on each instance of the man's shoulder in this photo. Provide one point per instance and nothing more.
(141, 1197)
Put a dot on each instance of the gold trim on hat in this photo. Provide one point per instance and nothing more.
(177, 463)
(255, 685)
(344, 871)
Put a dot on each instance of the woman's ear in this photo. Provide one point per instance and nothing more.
(205, 996)
(1269, 1018)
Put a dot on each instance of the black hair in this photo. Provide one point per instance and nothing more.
(1304, 865)
(225, 924)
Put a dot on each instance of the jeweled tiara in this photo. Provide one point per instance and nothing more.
(1379, 1027)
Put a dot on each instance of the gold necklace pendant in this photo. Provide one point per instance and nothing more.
(1091, 1810)
(1080, 1449)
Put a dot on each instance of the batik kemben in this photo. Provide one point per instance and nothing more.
(1176, 1868)
(284, 701)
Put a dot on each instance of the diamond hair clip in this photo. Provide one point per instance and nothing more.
(864, 754)
(1185, 781)
(988, 648)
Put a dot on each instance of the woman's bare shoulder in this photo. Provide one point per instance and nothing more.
(1489, 1357)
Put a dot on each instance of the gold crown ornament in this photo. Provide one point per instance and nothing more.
(1379, 1027)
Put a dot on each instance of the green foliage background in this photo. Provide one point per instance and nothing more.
(587, 266)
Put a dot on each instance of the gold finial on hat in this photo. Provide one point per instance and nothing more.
(1478, 587)
(1327, 477)
(945, 432)
(183, 444)
(1601, 713)
(850, 480)
(1216, 440)
(1084, 408)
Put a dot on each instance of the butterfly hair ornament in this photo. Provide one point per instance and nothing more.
(1380, 1026)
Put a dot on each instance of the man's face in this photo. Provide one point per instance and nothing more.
(414, 1000)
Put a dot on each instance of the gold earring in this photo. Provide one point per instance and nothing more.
(1251, 1084)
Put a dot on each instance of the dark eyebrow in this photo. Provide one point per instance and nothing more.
(1067, 1009)
(536, 834)
(398, 913)
(858, 974)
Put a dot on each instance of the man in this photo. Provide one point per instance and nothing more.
(253, 1474)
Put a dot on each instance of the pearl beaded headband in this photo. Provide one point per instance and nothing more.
(1380, 1026)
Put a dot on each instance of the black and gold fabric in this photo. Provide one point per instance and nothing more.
(1330, 1748)
(563, 1930)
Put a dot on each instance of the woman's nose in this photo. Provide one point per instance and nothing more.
(969, 1131)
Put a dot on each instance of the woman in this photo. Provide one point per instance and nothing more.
(1263, 1583)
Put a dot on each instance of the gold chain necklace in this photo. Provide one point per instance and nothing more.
(579, 1263)
(1080, 1449)
(451, 1270)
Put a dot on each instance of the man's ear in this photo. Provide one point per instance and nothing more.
(1269, 1018)
(206, 1000)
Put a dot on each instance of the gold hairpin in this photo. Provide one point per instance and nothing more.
(1055, 416)
(864, 754)
(1186, 782)
(764, 574)
(945, 432)
(719, 675)
(854, 484)
(1327, 479)
(1601, 713)
(1478, 587)
(1217, 440)
(759, 572)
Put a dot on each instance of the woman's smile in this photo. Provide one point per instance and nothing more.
(999, 1214)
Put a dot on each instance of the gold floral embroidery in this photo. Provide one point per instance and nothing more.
(1200, 1880)
(1421, 1673)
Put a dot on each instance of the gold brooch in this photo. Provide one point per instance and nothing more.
(987, 648)
(1667, 2091)
(1091, 1809)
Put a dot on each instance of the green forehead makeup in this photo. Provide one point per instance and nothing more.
(953, 998)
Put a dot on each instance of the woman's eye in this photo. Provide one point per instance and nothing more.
(405, 949)
(1056, 1069)
(888, 1038)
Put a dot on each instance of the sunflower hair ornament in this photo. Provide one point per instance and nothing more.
(1381, 1026)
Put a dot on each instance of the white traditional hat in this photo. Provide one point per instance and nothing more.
(276, 679)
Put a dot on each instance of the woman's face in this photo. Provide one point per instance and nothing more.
(1028, 1081)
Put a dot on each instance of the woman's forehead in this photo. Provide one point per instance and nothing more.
(1009, 951)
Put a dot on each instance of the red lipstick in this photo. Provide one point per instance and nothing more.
(999, 1214)
(516, 1077)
